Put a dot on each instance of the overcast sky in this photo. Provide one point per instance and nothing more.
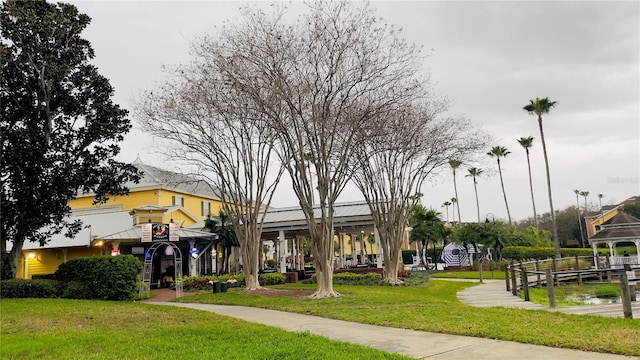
(489, 58)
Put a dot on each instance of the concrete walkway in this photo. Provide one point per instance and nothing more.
(494, 293)
(416, 344)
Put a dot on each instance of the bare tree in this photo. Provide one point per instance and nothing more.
(393, 165)
(217, 131)
(320, 81)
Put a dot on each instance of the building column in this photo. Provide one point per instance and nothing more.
(637, 241)
(282, 248)
(379, 254)
(610, 244)
(596, 256)
(192, 261)
(341, 244)
(354, 256)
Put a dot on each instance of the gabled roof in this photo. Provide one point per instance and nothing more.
(622, 218)
(153, 177)
(156, 178)
(620, 227)
(95, 224)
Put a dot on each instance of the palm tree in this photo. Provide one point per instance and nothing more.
(446, 205)
(454, 202)
(577, 192)
(526, 143)
(600, 196)
(585, 194)
(475, 173)
(499, 152)
(539, 107)
(454, 165)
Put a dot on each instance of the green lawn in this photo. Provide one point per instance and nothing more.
(487, 275)
(79, 329)
(435, 308)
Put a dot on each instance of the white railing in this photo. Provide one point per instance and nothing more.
(620, 261)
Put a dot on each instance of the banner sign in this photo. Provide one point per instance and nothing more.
(159, 232)
(174, 234)
(146, 232)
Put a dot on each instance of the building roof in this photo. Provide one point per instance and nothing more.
(135, 233)
(620, 227)
(347, 215)
(95, 224)
(153, 177)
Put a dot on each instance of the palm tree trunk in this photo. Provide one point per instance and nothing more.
(580, 221)
(504, 193)
(475, 187)
(554, 227)
(455, 190)
(533, 201)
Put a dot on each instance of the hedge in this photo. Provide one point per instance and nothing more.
(195, 283)
(348, 278)
(100, 277)
(25, 288)
(523, 253)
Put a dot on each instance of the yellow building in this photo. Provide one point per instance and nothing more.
(160, 196)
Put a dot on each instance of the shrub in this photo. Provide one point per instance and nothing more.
(524, 253)
(100, 277)
(77, 290)
(404, 274)
(25, 288)
(272, 279)
(197, 283)
(348, 278)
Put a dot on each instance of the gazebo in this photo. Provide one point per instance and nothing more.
(620, 228)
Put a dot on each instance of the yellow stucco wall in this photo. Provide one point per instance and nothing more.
(46, 261)
(155, 197)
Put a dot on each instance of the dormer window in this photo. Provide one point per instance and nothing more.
(177, 200)
(205, 208)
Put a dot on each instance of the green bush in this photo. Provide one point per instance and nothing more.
(100, 277)
(44, 276)
(25, 288)
(197, 283)
(348, 278)
(524, 253)
(76, 290)
(272, 279)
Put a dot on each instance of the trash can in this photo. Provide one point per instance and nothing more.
(217, 287)
(223, 286)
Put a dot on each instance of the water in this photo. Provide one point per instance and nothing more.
(588, 299)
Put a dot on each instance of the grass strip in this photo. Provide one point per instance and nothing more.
(81, 329)
(435, 308)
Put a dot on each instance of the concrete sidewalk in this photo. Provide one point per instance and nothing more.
(494, 293)
(416, 344)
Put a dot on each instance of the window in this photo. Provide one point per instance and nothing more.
(177, 200)
(205, 208)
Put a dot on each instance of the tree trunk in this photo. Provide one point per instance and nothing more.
(504, 193)
(475, 188)
(580, 221)
(533, 201)
(554, 227)
(250, 259)
(322, 250)
(455, 190)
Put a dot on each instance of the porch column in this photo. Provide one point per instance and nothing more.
(596, 256)
(610, 244)
(637, 241)
(362, 247)
(379, 254)
(192, 261)
(354, 257)
(282, 248)
(341, 243)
